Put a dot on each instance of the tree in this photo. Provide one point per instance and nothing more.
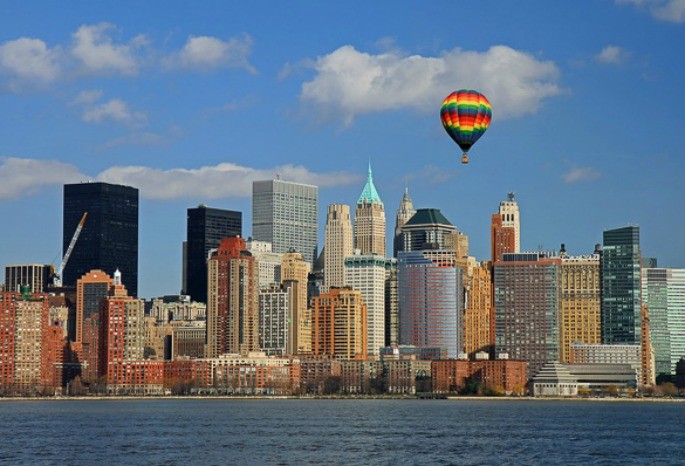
(76, 387)
(332, 385)
(667, 389)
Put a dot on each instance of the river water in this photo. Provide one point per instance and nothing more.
(249, 431)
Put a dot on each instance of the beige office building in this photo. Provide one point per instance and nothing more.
(337, 245)
(580, 315)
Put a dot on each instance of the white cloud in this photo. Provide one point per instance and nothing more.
(87, 97)
(213, 182)
(30, 59)
(580, 175)
(612, 55)
(672, 11)
(114, 110)
(21, 177)
(205, 52)
(97, 53)
(350, 83)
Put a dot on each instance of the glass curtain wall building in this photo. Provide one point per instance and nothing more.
(430, 300)
(621, 286)
(285, 215)
(109, 238)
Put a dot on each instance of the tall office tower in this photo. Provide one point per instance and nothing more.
(392, 319)
(268, 262)
(206, 227)
(36, 276)
(109, 238)
(337, 245)
(295, 275)
(404, 213)
(91, 288)
(509, 213)
(285, 215)
(502, 239)
(430, 299)
(580, 315)
(233, 300)
(369, 220)
(663, 293)
(275, 318)
(427, 229)
(621, 287)
(526, 308)
(478, 313)
(339, 324)
(366, 273)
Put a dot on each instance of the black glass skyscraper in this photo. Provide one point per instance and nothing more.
(109, 239)
(206, 228)
(621, 286)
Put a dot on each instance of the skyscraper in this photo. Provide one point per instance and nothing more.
(430, 300)
(579, 309)
(404, 213)
(337, 245)
(366, 273)
(109, 238)
(509, 213)
(285, 215)
(478, 313)
(206, 227)
(526, 308)
(621, 286)
(294, 276)
(233, 300)
(663, 293)
(369, 220)
(427, 229)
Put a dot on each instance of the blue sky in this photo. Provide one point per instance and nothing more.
(191, 101)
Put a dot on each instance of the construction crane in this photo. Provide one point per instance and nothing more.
(58, 278)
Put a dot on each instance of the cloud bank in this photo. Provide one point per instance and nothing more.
(22, 177)
(349, 83)
(98, 50)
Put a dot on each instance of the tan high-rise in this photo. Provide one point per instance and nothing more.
(233, 300)
(478, 307)
(404, 213)
(580, 305)
(337, 245)
(295, 273)
(339, 324)
(369, 221)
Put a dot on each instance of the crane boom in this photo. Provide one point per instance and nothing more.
(74, 238)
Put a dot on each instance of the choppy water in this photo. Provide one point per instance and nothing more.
(340, 432)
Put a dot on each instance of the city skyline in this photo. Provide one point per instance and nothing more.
(172, 101)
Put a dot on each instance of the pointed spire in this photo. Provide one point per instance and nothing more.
(369, 194)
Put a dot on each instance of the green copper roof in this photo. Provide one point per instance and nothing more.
(428, 217)
(369, 194)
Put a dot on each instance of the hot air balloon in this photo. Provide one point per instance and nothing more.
(465, 114)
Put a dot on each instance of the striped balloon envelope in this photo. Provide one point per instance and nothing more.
(465, 115)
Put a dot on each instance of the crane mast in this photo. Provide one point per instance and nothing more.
(65, 259)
